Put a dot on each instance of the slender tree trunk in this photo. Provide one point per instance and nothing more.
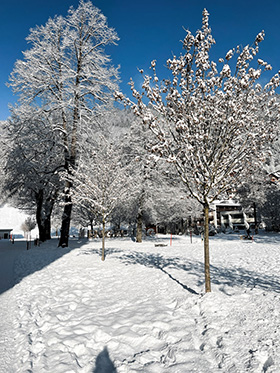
(206, 249)
(39, 204)
(90, 234)
(139, 219)
(255, 218)
(91, 225)
(139, 227)
(103, 240)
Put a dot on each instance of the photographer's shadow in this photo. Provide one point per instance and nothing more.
(103, 363)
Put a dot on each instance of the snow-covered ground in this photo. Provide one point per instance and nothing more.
(143, 309)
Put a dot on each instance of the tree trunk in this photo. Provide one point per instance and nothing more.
(70, 160)
(39, 204)
(206, 249)
(66, 219)
(139, 227)
(255, 218)
(91, 226)
(45, 229)
(43, 215)
(103, 240)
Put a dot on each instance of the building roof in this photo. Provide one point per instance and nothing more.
(228, 202)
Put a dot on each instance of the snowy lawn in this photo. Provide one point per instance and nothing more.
(144, 308)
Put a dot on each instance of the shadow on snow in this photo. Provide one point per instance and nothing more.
(103, 363)
(221, 276)
(17, 263)
(231, 277)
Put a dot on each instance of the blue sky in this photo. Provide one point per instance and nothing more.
(147, 29)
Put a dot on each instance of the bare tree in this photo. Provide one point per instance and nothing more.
(210, 123)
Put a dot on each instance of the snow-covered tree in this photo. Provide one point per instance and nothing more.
(269, 209)
(260, 190)
(211, 123)
(28, 224)
(84, 216)
(32, 161)
(132, 140)
(67, 72)
(3, 155)
(154, 186)
(252, 194)
(99, 182)
(272, 162)
(135, 151)
(146, 183)
(173, 205)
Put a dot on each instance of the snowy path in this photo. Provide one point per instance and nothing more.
(110, 309)
(142, 310)
(7, 339)
(8, 255)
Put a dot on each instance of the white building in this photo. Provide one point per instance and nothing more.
(5, 234)
(229, 214)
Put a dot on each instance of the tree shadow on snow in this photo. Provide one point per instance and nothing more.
(26, 262)
(242, 277)
(108, 251)
(221, 276)
(159, 262)
(103, 363)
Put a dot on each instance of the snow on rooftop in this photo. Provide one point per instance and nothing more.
(226, 202)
